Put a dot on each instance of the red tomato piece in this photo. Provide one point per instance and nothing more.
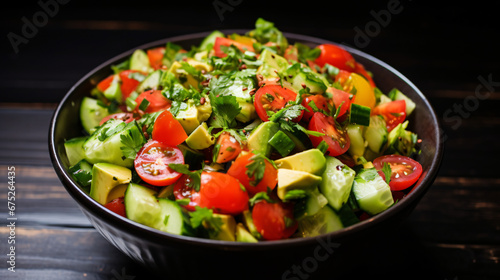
(116, 205)
(394, 113)
(151, 163)
(104, 84)
(128, 84)
(168, 130)
(405, 171)
(341, 99)
(274, 221)
(320, 101)
(183, 190)
(229, 148)
(239, 170)
(126, 117)
(335, 56)
(336, 138)
(223, 193)
(272, 98)
(218, 191)
(157, 101)
(155, 57)
(221, 41)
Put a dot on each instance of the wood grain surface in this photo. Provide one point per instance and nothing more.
(449, 52)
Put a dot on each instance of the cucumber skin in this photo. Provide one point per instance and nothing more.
(91, 114)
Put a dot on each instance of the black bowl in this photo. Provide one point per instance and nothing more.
(180, 256)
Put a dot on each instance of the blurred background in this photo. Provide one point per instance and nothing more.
(437, 46)
(449, 50)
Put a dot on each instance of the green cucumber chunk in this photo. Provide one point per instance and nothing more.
(74, 149)
(376, 134)
(337, 182)
(324, 221)
(107, 145)
(139, 61)
(282, 143)
(372, 193)
(141, 205)
(355, 133)
(395, 94)
(91, 114)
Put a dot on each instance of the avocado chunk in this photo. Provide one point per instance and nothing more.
(337, 182)
(192, 116)
(294, 179)
(105, 177)
(372, 193)
(311, 161)
(141, 205)
(200, 138)
(227, 230)
(139, 61)
(260, 136)
(243, 235)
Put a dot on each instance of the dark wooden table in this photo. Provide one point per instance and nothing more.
(449, 52)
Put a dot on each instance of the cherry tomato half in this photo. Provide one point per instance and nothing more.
(272, 98)
(320, 101)
(229, 148)
(152, 160)
(168, 130)
(405, 171)
(218, 191)
(239, 170)
(157, 101)
(116, 205)
(394, 113)
(335, 56)
(274, 221)
(337, 139)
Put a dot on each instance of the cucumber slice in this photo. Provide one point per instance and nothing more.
(74, 149)
(173, 219)
(310, 205)
(355, 133)
(324, 221)
(372, 193)
(91, 114)
(337, 182)
(376, 134)
(139, 61)
(141, 205)
(208, 43)
(152, 81)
